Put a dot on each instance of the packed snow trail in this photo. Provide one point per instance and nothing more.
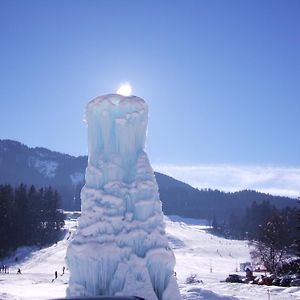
(195, 251)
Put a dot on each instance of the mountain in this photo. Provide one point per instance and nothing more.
(43, 167)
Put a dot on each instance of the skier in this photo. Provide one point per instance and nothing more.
(55, 275)
(63, 270)
(19, 271)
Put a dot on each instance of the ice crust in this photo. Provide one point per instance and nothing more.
(120, 247)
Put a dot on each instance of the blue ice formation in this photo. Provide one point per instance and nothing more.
(120, 247)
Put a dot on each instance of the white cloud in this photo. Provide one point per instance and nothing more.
(274, 180)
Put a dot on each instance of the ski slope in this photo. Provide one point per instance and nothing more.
(197, 252)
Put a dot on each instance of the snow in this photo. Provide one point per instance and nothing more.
(197, 252)
(45, 167)
(77, 177)
(120, 246)
(194, 249)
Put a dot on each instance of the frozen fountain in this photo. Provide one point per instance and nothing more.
(120, 247)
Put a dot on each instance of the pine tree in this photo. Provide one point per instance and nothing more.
(28, 217)
(21, 215)
(6, 222)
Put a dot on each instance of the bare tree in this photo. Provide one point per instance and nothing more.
(271, 246)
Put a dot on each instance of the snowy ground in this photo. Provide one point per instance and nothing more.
(197, 252)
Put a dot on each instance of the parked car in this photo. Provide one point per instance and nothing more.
(255, 280)
(264, 280)
(295, 282)
(285, 281)
(234, 278)
(276, 281)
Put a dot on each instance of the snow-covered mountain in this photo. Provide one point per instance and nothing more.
(43, 167)
(20, 163)
(208, 257)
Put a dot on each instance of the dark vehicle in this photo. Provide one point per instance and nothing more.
(255, 280)
(234, 278)
(295, 282)
(285, 281)
(276, 281)
(248, 279)
(264, 280)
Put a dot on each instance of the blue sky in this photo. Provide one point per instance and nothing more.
(222, 78)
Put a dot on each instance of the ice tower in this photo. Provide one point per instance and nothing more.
(120, 247)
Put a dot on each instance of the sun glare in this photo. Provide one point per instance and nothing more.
(124, 90)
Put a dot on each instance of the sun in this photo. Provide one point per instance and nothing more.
(124, 89)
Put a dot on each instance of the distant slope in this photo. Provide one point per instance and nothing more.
(42, 167)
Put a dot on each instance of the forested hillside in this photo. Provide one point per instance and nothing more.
(65, 173)
(28, 216)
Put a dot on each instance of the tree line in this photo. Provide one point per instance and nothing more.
(207, 203)
(249, 225)
(273, 233)
(28, 216)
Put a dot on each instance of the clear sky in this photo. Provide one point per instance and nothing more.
(222, 78)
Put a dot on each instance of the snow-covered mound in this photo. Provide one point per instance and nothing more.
(120, 247)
